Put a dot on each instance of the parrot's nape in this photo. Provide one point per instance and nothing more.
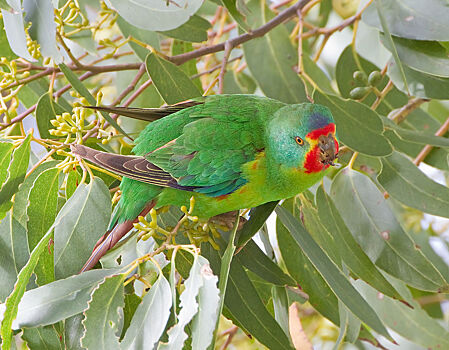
(229, 151)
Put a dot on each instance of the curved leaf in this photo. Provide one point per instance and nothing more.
(330, 272)
(409, 185)
(155, 14)
(376, 229)
(171, 82)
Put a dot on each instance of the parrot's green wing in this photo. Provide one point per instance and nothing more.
(216, 139)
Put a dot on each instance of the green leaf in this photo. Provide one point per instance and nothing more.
(424, 56)
(42, 338)
(420, 84)
(273, 50)
(299, 266)
(344, 71)
(231, 6)
(73, 180)
(58, 300)
(413, 19)
(419, 327)
(82, 220)
(43, 27)
(5, 156)
(330, 272)
(189, 67)
(203, 324)
(6, 50)
(103, 316)
(170, 81)
(16, 174)
(244, 306)
(376, 229)
(421, 123)
(226, 261)
(11, 306)
(41, 213)
(349, 250)
(15, 32)
(350, 115)
(73, 332)
(194, 30)
(82, 90)
(156, 15)
(255, 260)
(280, 304)
(389, 39)
(190, 307)
(46, 110)
(146, 36)
(257, 217)
(409, 185)
(150, 318)
(132, 301)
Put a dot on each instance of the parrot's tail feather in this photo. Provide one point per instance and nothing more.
(133, 167)
(111, 237)
(148, 114)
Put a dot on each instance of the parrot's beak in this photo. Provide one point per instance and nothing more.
(328, 151)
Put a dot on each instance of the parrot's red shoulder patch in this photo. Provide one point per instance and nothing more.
(315, 134)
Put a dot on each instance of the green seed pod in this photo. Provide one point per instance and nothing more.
(358, 92)
(374, 78)
(360, 77)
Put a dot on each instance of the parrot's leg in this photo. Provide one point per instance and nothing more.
(228, 219)
(110, 238)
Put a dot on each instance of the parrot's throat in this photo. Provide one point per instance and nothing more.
(312, 164)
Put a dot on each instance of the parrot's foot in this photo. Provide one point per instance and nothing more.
(228, 220)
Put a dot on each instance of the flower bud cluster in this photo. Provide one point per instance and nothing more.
(365, 84)
(70, 16)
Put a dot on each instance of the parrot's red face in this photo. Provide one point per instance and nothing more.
(324, 149)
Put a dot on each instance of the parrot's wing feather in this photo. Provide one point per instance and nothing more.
(133, 167)
(148, 114)
(209, 154)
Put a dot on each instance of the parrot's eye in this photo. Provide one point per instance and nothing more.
(299, 140)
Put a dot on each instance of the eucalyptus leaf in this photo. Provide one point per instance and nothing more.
(150, 318)
(15, 32)
(41, 212)
(412, 19)
(333, 276)
(58, 300)
(409, 185)
(376, 229)
(46, 110)
(43, 26)
(16, 174)
(194, 30)
(156, 15)
(170, 81)
(273, 50)
(82, 220)
(103, 315)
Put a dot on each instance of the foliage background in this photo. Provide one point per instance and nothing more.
(348, 263)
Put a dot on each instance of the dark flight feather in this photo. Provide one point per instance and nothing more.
(147, 114)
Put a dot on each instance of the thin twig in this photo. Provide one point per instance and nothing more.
(399, 115)
(230, 332)
(227, 52)
(427, 148)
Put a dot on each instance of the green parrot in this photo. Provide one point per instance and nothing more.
(229, 151)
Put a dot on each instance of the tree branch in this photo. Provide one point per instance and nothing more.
(256, 33)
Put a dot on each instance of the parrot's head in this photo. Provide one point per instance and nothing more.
(303, 136)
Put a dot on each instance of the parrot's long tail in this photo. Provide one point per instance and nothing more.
(111, 237)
